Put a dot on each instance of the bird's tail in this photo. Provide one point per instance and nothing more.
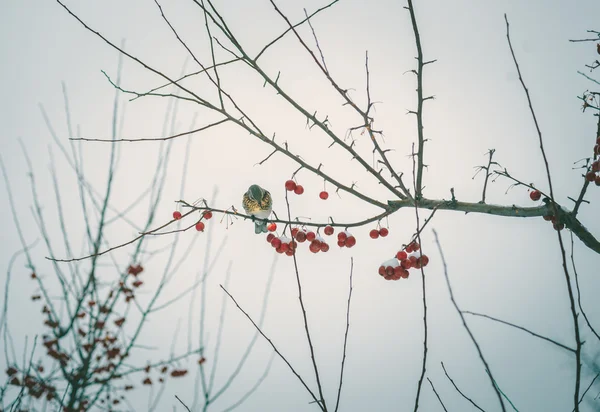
(260, 226)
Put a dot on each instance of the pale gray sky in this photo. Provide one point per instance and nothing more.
(508, 268)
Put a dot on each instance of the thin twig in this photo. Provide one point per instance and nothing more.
(576, 276)
(520, 328)
(273, 346)
(181, 402)
(464, 322)
(322, 403)
(458, 390)
(337, 402)
(437, 394)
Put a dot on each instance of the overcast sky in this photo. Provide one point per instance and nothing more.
(504, 267)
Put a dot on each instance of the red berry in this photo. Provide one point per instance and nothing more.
(535, 195)
(424, 260)
(284, 246)
(415, 246)
(596, 166)
(598, 140)
(590, 176)
(401, 255)
(301, 236)
(200, 226)
(289, 252)
(559, 226)
(290, 185)
(293, 245)
(409, 248)
(548, 217)
(383, 232)
(406, 264)
(276, 243)
(597, 150)
(176, 215)
(324, 195)
(412, 260)
(207, 215)
(315, 246)
(405, 274)
(374, 234)
(398, 271)
(279, 249)
(310, 236)
(299, 190)
(271, 227)
(328, 230)
(324, 247)
(295, 232)
(597, 180)
(341, 243)
(350, 241)
(270, 237)
(389, 271)
(342, 236)
(382, 270)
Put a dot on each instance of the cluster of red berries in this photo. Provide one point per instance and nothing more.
(383, 232)
(282, 244)
(536, 195)
(398, 266)
(594, 174)
(346, 239)
(292, 186)
(317, 243)
(555, 222)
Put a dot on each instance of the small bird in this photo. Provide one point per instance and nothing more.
(257, 202)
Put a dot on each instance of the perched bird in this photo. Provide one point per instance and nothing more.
(257, 202)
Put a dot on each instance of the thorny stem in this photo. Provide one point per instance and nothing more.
(420, 100)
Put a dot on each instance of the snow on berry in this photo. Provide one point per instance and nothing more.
(286, 245)
(390, 269)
